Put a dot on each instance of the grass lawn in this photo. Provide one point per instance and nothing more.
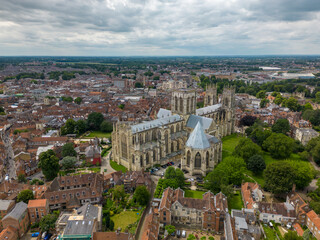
(95, 169)
(235, 202)
(269, 232)
(229, 143)
(193, 194)
(118, 167)
(124, 219)
(98, 134)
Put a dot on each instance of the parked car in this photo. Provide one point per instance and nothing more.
(199, 179)
(36, 234)
(178, 233)
(173, 234)
(48, 236)
(164, 166)
(183, 234)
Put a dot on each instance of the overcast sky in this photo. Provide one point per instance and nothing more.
(159, 27)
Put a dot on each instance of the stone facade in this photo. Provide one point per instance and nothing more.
(142, 145)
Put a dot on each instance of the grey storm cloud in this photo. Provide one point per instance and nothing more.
(158, 27)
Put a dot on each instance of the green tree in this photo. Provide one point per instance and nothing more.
(292, 235)
(36, 181)
(106, 127)
(303, 173)
(229, 171)
(317, 97)
(281, 126)
(78, 100)
(176, 174)
(191, 237)
(118, 193)
(246, 149)
(278, 100)
(315, 153)
(25, 196)
(279, 177)
(49, 163)
(68, 150)
(121, 106)
(67, 99)
(256, 164)
(141, 195)
(68, 162)
(69, 127)
(279, 145)
(259, 136)
(48, 222)
(261, 94)
(81, 127)
(138, 85)
(307, 106)
(94, 121)
(263, 103)
(292, 104)
(170, 229)
(22, 178)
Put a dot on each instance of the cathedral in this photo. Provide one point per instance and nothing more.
(184, 133)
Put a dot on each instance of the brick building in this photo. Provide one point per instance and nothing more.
(207, 213)
(37, 209)
(18, 218)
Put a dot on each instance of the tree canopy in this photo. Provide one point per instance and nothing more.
(175, 174)
(48, 222)
(68, 162)
(49, 163)
(279, 177)
(256, 164)
(106, 127)
(246, 149)
(141, 195)
(68, 150)
(229, 171)
(94, 121)
(25, 196)
(279, 145)
(281, 126)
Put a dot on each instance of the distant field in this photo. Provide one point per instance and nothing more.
(98, 134)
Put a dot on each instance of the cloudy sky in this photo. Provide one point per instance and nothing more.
(159, 27)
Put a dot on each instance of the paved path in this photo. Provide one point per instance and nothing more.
(105, 164)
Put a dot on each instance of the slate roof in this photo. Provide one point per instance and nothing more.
(17, 211)
(4, 204)
(209, 109)
(194, 119)
(79, 227)
(88, 211)
(198, 139)
(164, 113)
(154, 123)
